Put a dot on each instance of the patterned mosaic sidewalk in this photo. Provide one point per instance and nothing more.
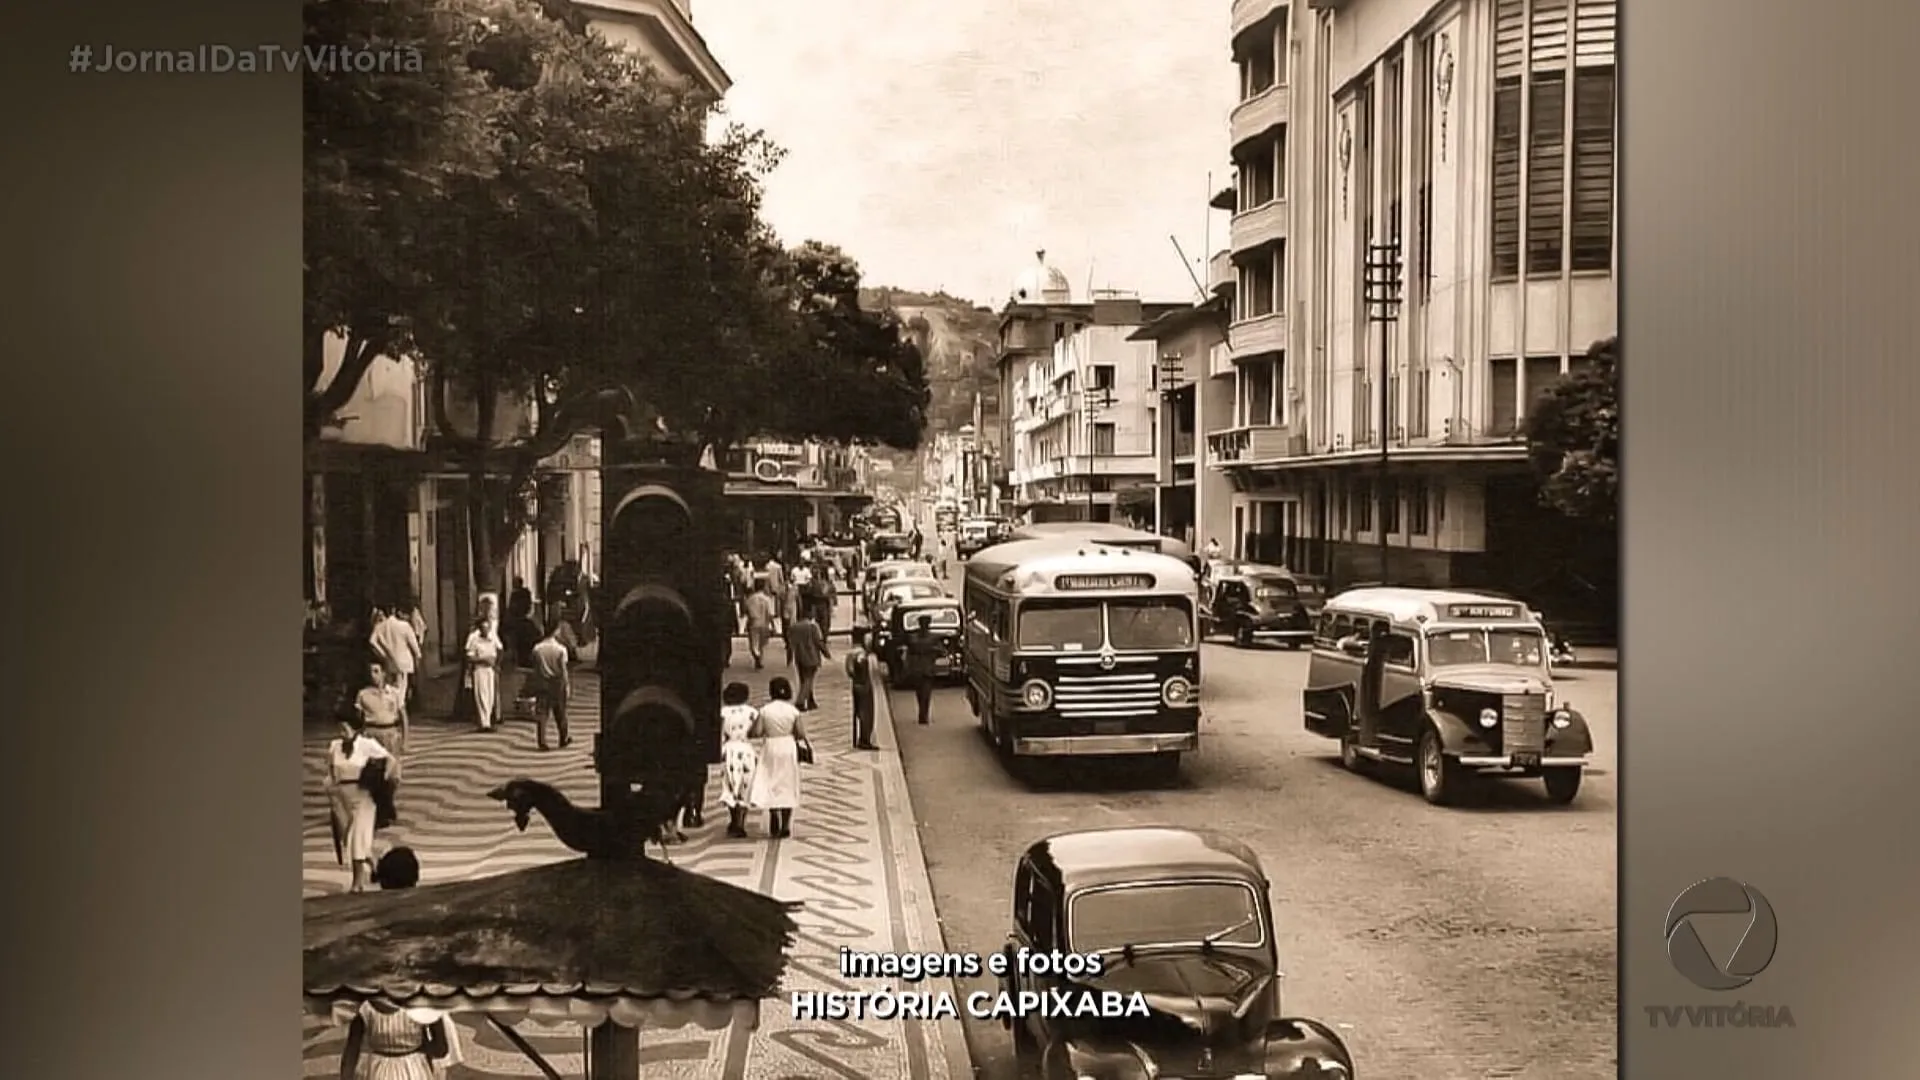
(854, 860)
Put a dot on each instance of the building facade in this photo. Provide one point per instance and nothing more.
(1469, 146)
(385, 519)
(1084, 416)
(1195, 377)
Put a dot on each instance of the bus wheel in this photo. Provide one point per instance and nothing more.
(1563, 784)
(1440, 775)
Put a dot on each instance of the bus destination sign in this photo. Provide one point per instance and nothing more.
(1097, 582)
(1483, 611)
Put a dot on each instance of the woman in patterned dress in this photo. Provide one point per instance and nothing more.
(385, 1041)
(738, 757)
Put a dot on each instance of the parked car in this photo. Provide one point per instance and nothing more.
(894, 593)
(882, 574)
(1253, 602)
(1182, 917)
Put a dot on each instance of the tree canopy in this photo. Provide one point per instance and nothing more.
(546, 222)
(1573, 433)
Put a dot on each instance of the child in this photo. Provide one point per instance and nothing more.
(737, 722)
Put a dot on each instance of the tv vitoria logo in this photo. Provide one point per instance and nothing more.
(1721, 897)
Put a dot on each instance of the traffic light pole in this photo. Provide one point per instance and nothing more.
(1383, 310)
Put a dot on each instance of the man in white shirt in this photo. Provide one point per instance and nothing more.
(398, 647)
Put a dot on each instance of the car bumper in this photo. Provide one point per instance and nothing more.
(1103, 745)
(1504, 761)
(1280, 633)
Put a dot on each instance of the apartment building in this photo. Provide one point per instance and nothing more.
(1469, 146)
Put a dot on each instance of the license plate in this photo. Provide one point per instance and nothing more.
(1526, 761)
(1109, 727)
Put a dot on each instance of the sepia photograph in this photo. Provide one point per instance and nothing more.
(920, 541)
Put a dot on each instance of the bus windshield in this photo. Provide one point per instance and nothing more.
(1157, 623)
(1520, 648)
(1065, 625)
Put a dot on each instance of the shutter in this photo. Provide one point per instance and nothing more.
(1546, 172)
(1509, 38)
(1548, 34)
(1595, 24)
(1506, 180)
(1593, 169)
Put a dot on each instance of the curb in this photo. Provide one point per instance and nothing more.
(924, 932)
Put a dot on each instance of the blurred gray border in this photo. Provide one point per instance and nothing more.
(153, 291)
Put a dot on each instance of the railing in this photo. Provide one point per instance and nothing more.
(1245, 445)
(1262, 111)
(1220, 272)
(1259, 225)
(1259, 334)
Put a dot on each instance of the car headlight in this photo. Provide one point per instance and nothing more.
(1562, 718)
(1176, 692)
(1489, 717)
(1036, 695)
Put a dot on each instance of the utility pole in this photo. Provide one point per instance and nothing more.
(1383, 311)
(1172, 381)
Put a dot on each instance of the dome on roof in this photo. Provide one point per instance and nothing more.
(1040, 283)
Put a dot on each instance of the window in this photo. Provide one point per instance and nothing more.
(1553, 138)
(1259, 284)
(1174, 913)
(1100, 377)
(1390, 507)
(1398, 650)
(1419, 507)
(1542, 373)
(1257, 57)
(1261, 172)
(1392, 106)
(1103, 438)
(1258, 382)
(1423, 150)
(1149, 624)
(1362, 506)
(1059, 332)
(1503, 396)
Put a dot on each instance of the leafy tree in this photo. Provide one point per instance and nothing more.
(1573, 435)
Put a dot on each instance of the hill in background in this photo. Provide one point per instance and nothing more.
(959, 341)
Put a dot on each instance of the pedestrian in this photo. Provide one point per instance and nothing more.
(378, 705)
(397, 644)
(860, 674)
(782, 732)
(799, 588)
(820, 597)
(738, 758)
(520, 631)
(483, 653)
(941, 554)
(806, 651)
(1213, 549)
(551, 685)
(917, 541)
(352, 782)
(760, 612)
(384, 1040)
(920, 654)
(777, 588)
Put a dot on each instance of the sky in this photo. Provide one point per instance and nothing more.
(943, 142)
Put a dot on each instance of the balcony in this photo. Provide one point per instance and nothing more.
(1250, 445)
(1248, 12)
(1258, 336)
(1221, 274)
(1220, 360)
(1263, 224)
(1260, 113)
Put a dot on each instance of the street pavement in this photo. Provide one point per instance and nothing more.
(853, 861)
(1442, 943)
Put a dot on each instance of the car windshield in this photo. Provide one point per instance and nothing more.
(1069, 626)
(1169, 913)
(1451, 648)
(1159, 623)
(918, 590)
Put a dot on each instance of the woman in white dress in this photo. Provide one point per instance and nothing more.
(738, 757)
(483, 654)
(353, 805)
(776, 783)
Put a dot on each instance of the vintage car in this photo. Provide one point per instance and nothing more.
(890, 545)
(1253, 602)
(882, 574)
(895, 592)
(1453, 684)
(903, 616)
(1183, 919)
(974, 534)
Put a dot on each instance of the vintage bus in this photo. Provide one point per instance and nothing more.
(1076, 648)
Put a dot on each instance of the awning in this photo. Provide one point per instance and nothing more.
(637, 943)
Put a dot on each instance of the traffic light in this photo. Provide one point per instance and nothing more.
(663, 641)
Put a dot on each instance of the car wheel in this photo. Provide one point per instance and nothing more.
(1440, 779)
(1243, 638)
(1563, 784)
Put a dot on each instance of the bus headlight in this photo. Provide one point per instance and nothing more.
(1176, 692)
(1036, 695)
(1562, 719)
(1489, 717)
